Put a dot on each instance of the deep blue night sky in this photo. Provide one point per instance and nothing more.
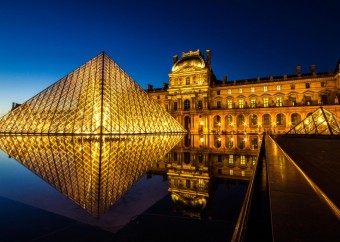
(42, 41)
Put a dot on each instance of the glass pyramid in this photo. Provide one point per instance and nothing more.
(98, 97)
(320, 121)
(94, 171)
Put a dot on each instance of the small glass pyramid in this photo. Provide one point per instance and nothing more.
(99, 98)
(320, 121)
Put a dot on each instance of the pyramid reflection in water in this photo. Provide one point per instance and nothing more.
(93, 171)
(98, 97)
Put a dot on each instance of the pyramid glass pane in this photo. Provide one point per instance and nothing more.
(98, 97)
(321, 121)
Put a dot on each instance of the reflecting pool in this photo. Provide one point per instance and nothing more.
(136, 187)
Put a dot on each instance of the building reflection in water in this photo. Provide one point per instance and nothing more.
(93, 171)
(197, 164)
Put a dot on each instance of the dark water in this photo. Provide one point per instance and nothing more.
(186, 194)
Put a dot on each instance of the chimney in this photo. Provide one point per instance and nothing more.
(165, 85)
(175, 58)
(312, 69)
(208, 57)
(224, 79)
(298, 70)
(150, 87)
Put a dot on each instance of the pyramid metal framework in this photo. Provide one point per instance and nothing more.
(320, 121)
(93, 171)
(98, 97)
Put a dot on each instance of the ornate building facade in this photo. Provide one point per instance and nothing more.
(205, 105)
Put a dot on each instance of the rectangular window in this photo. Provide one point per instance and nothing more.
(265, 102)
(219, 104)
(252, 89)
(175, 105)
(187, 81)
(231, 159)
(265, 88)
(230, 143)
(240, 90)
(308, 100)
(230, 104)
(279, 102)
(323, 84)
(229, 91)
(254, 143)
(307, 85)
(200, 105)
(324, 99)
(218, 92)
(278, 87)
(292, 86)
(240, 103)
(253, 103)
(243, 160)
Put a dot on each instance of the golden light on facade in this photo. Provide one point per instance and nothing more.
(97, 98)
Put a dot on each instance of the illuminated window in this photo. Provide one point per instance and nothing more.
(252, 89)
(323, 84)
(240, 90)
(186, 105)
(308, 100)
(296, 118)
(229, 91)
(241, 143)
(200, 82)
(279, 102)
(230, 104)
(253, 119)
(230, 143)
(240, 119)
(253, 103)
(187, 81)
(280, 119)
(243, 160)
(278, 87)
(231, 159)
(229, 119)
(265, 88)
(240, 103)
(254, 143)
(266, 119)
(231, 172)
(265, 102)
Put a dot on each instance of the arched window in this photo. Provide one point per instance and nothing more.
(217, 121)
(187, 123)
(186, 105)
(266, 119)
(217, 141)
(253, 119)
(240, 119)
(295, 118)
(280, 119)
(229, 119)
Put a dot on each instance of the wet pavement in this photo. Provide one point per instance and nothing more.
(298, 212)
